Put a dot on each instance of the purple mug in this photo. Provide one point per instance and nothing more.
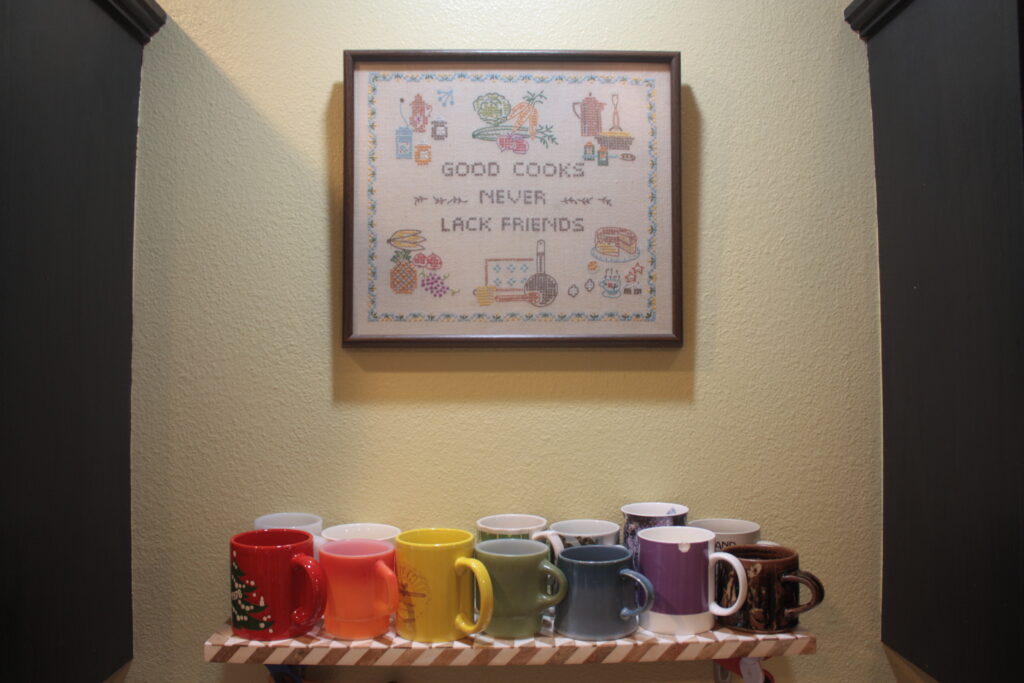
(678, 561)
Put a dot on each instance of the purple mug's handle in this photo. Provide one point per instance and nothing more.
(813, 584)
(305, 616)
(648, 590)
(741, 574)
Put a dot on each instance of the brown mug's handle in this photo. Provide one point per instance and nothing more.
(813, 584)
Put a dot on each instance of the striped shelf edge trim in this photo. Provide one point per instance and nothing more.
(320, 649)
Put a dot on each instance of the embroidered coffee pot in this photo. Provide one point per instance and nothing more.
(589, 113)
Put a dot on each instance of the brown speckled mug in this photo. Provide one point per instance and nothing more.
(774, 578)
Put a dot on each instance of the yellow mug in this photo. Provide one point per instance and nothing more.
(435, 586)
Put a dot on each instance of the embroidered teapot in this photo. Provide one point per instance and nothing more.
(420, 114)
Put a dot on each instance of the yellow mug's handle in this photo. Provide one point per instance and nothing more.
(485, 593)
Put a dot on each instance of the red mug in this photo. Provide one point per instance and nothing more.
(277, 588)
(362, 590)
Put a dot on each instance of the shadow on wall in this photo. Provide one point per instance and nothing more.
(516, 374)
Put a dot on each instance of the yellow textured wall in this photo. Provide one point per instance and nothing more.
(244, 402)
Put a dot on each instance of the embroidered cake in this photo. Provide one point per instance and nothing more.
(615, 242)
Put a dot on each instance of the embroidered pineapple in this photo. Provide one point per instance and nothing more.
(403, 277)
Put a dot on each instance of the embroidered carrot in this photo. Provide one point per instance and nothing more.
(525, 112)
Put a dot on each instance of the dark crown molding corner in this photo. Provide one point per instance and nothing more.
(866, 17)
(142, 18)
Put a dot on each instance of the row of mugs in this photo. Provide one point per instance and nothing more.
(663, 577)
(573, 532)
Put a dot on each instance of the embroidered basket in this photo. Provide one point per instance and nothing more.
(615, 139)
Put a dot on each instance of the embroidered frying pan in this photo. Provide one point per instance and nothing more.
(541, 289)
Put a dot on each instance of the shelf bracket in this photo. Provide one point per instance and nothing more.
(285, 673)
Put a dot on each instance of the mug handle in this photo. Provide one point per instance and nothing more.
(484, 592)
(813, 584)
(741, 574)
(305, 616)
(385, 574)
(551, 537)
(648, 589)
(545, 600)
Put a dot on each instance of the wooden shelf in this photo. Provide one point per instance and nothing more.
(320, 649)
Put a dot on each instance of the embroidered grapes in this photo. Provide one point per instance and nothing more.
(435, 284)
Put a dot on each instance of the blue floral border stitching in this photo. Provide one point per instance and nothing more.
(374, 316)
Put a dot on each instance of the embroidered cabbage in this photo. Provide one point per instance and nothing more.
(492, 108)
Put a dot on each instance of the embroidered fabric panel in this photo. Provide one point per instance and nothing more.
(490, 196)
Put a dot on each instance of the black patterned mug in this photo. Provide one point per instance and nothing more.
(571, 533)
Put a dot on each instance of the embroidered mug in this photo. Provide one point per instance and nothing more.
(680, 564)
(277, 589)
(435, 571)
(362, 592)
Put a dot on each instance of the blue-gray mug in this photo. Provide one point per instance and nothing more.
(605, 596)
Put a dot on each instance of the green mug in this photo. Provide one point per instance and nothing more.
(520, 574)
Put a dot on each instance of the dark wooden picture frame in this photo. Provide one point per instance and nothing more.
(501, 198)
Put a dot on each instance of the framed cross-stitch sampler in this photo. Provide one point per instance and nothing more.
(512, 199)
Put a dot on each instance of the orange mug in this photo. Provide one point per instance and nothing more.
(362, 592)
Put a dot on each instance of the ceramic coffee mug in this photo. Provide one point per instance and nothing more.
(362, 592)
(774, 578)
(576, 532)
(435, 571)
(605, 595)
(277, 589)
(639, 516)
(517, 526)
(364, 530)
(294, 520)
(520, 576)
(677, 561)
(290, 520)
(509, 526)
(730, 532)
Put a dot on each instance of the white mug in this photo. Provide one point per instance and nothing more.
(362, 530)
(573, 532)
(509, 526)
(303, 521)
(730, 532)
